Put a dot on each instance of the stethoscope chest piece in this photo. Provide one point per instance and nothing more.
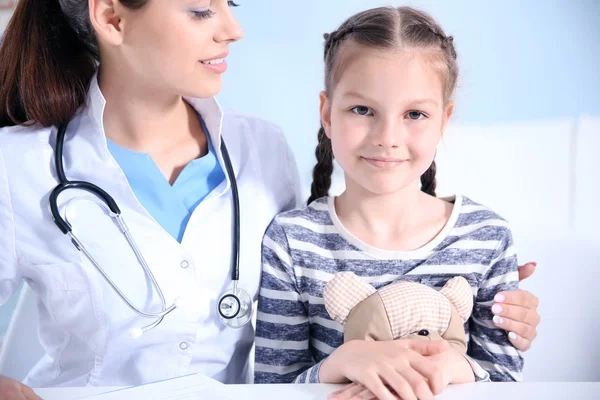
(235, 307)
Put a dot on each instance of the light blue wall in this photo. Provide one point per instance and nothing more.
(521, 60)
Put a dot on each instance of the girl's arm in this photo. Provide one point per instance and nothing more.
(489, 345)
(283, 352)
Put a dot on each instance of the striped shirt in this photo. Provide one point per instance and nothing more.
(303, 249)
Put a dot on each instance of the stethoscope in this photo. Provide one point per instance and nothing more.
(234, 305)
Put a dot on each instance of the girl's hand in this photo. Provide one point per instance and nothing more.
(453, 367)
(400, 365)
(354, 391)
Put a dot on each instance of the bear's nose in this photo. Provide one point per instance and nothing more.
(423, 332)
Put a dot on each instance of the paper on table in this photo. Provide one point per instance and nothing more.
(190, 387)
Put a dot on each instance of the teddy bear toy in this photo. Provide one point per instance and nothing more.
(400, 310)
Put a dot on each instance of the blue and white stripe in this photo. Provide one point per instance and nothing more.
(303, 249)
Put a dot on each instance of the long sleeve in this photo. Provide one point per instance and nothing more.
(489, 346)
(10, 277)
(282, 333)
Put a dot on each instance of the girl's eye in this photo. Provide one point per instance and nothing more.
(362, 110)
(415, 115)
(232, 4)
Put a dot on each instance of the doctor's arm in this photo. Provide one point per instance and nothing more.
(518, 312)
(282, 332)
(10, 278)
(292, 177)
(10, 274)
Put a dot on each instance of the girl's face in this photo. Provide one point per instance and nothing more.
(385, 119)
(173, 45)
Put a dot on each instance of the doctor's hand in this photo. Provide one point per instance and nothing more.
(14, 390)
(516, 312)
(380, 368)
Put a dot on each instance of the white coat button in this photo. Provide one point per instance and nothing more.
(183, 346)
(184, 264)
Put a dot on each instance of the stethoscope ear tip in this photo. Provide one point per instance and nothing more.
(135, 333)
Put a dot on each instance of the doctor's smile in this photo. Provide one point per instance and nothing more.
(216, 64)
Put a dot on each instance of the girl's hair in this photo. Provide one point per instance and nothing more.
(384, 28)
(48, 55)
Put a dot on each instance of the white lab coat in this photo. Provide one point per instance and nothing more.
(83, 323)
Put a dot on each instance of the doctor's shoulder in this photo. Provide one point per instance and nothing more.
(15, 129)
(264, 144)
(258, 134)
(23, 132)
(17, 140)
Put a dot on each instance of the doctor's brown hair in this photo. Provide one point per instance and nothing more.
(48, 56)
(385, 28)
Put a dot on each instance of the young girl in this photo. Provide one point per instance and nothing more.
(390, 78)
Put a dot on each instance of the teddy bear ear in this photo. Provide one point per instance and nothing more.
(460, 294)
(343, 293)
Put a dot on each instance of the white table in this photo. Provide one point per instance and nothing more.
(488, 391)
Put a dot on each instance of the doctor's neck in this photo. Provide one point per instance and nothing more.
(142, 117)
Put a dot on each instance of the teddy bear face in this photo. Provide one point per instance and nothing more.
(370, 320)
(405, 308)
(399, 310)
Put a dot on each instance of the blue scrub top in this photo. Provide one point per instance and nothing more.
(170, 206)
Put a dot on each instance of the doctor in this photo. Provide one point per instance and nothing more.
(144, 129)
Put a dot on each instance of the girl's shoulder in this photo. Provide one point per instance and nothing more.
(476, 221)
(316, 212)
(312, 219)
